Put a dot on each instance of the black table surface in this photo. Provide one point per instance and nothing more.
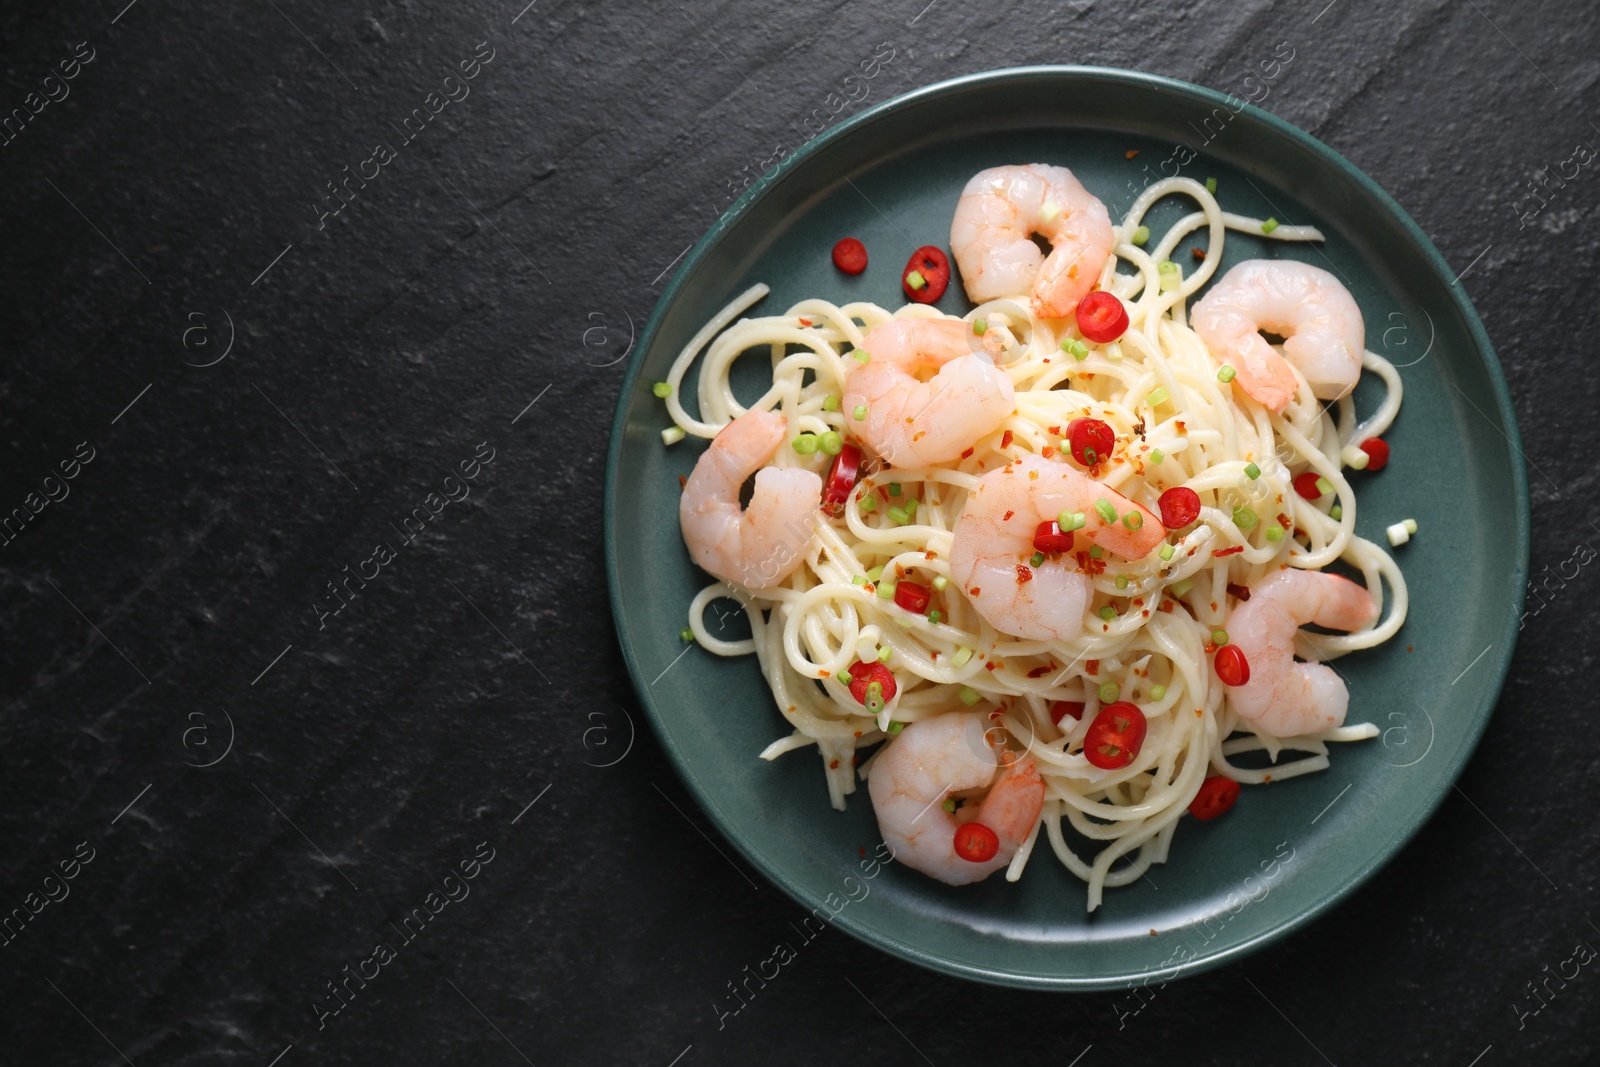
(222, 786)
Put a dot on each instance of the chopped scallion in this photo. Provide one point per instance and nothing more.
(1274, 532)
(1245, 519)
(830, 402)
(860, 579)
(1324, 486)
(884, 653)
(895, 726)
(672, 435)
(885, 590)
(1226, 374)
(1108, 613)
(899, 515)
(1269, 225)
(969, 696)
(868, 503)
(686, 634)
(1133, 520)
(860, 413)
(980, 326)
(1157, 397)
(805, 444)
(833, 442)
(1252, 471)
(1158, 692)
(1167, 552)
(1096, 552)
(1109, 692)
(916, 280)
(862, 355)
(1122, 581)
(1156, 455)
(1336, 513)
(845, 677)
(661, 389)
(1036, 559)
(934, 616)
(895, 488)
(1211, 185)
(1181, 589)
(962, 655)
(1219, 637)
(940, 581)
(1106, 510)
(875, 573)
(1141, 235)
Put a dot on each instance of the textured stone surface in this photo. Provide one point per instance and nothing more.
(147, 610)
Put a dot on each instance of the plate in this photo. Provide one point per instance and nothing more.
(1287, 852)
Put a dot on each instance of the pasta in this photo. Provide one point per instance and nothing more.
(1153, 621)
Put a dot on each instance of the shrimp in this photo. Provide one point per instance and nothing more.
(1319, 320)
(761, 545)
(1284, 698)
(934, 758)
(994, 539)
(910, 422)
(991, 235)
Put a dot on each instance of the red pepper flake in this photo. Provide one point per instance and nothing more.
(1008, 516)
(975, 591)
(934, 654)
(1266, 779)
(883, 491)
(1023, 573)
(833, 765)
(1092, 667)
(1219, 553)
(1129, 154)
(1138, 601)
(1240, 591)
(967, 454)
(1166, 606)
(990, 665)
(824, 672)
(805, 322)
(1198, 253)
(994, 716)
(1055, 431)
(1005, 439)
(1210, 647)
(930, 555)
(1047, 451)
(1179, 425)
(682, 482)
(1040, 672)
(862, 852)
(1284, 521)
(919, 435)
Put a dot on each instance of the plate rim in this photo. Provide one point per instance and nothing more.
(1509, 429)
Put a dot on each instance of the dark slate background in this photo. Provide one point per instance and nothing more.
(169, 203)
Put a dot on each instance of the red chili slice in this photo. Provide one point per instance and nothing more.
(1066, 709)
(1216, 797)
(1091, 440)
(1179, 506)
(912, 597)
(1377, 450)
(866, 672)
(1047, 537)
(976, 843)
(1306, 485)
(1115, 736)
(850, 255)
(842, 478)
(1101, 317)
(934, 268)
(1231, 665)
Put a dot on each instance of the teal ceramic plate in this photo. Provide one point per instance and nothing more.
(1287, 852)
